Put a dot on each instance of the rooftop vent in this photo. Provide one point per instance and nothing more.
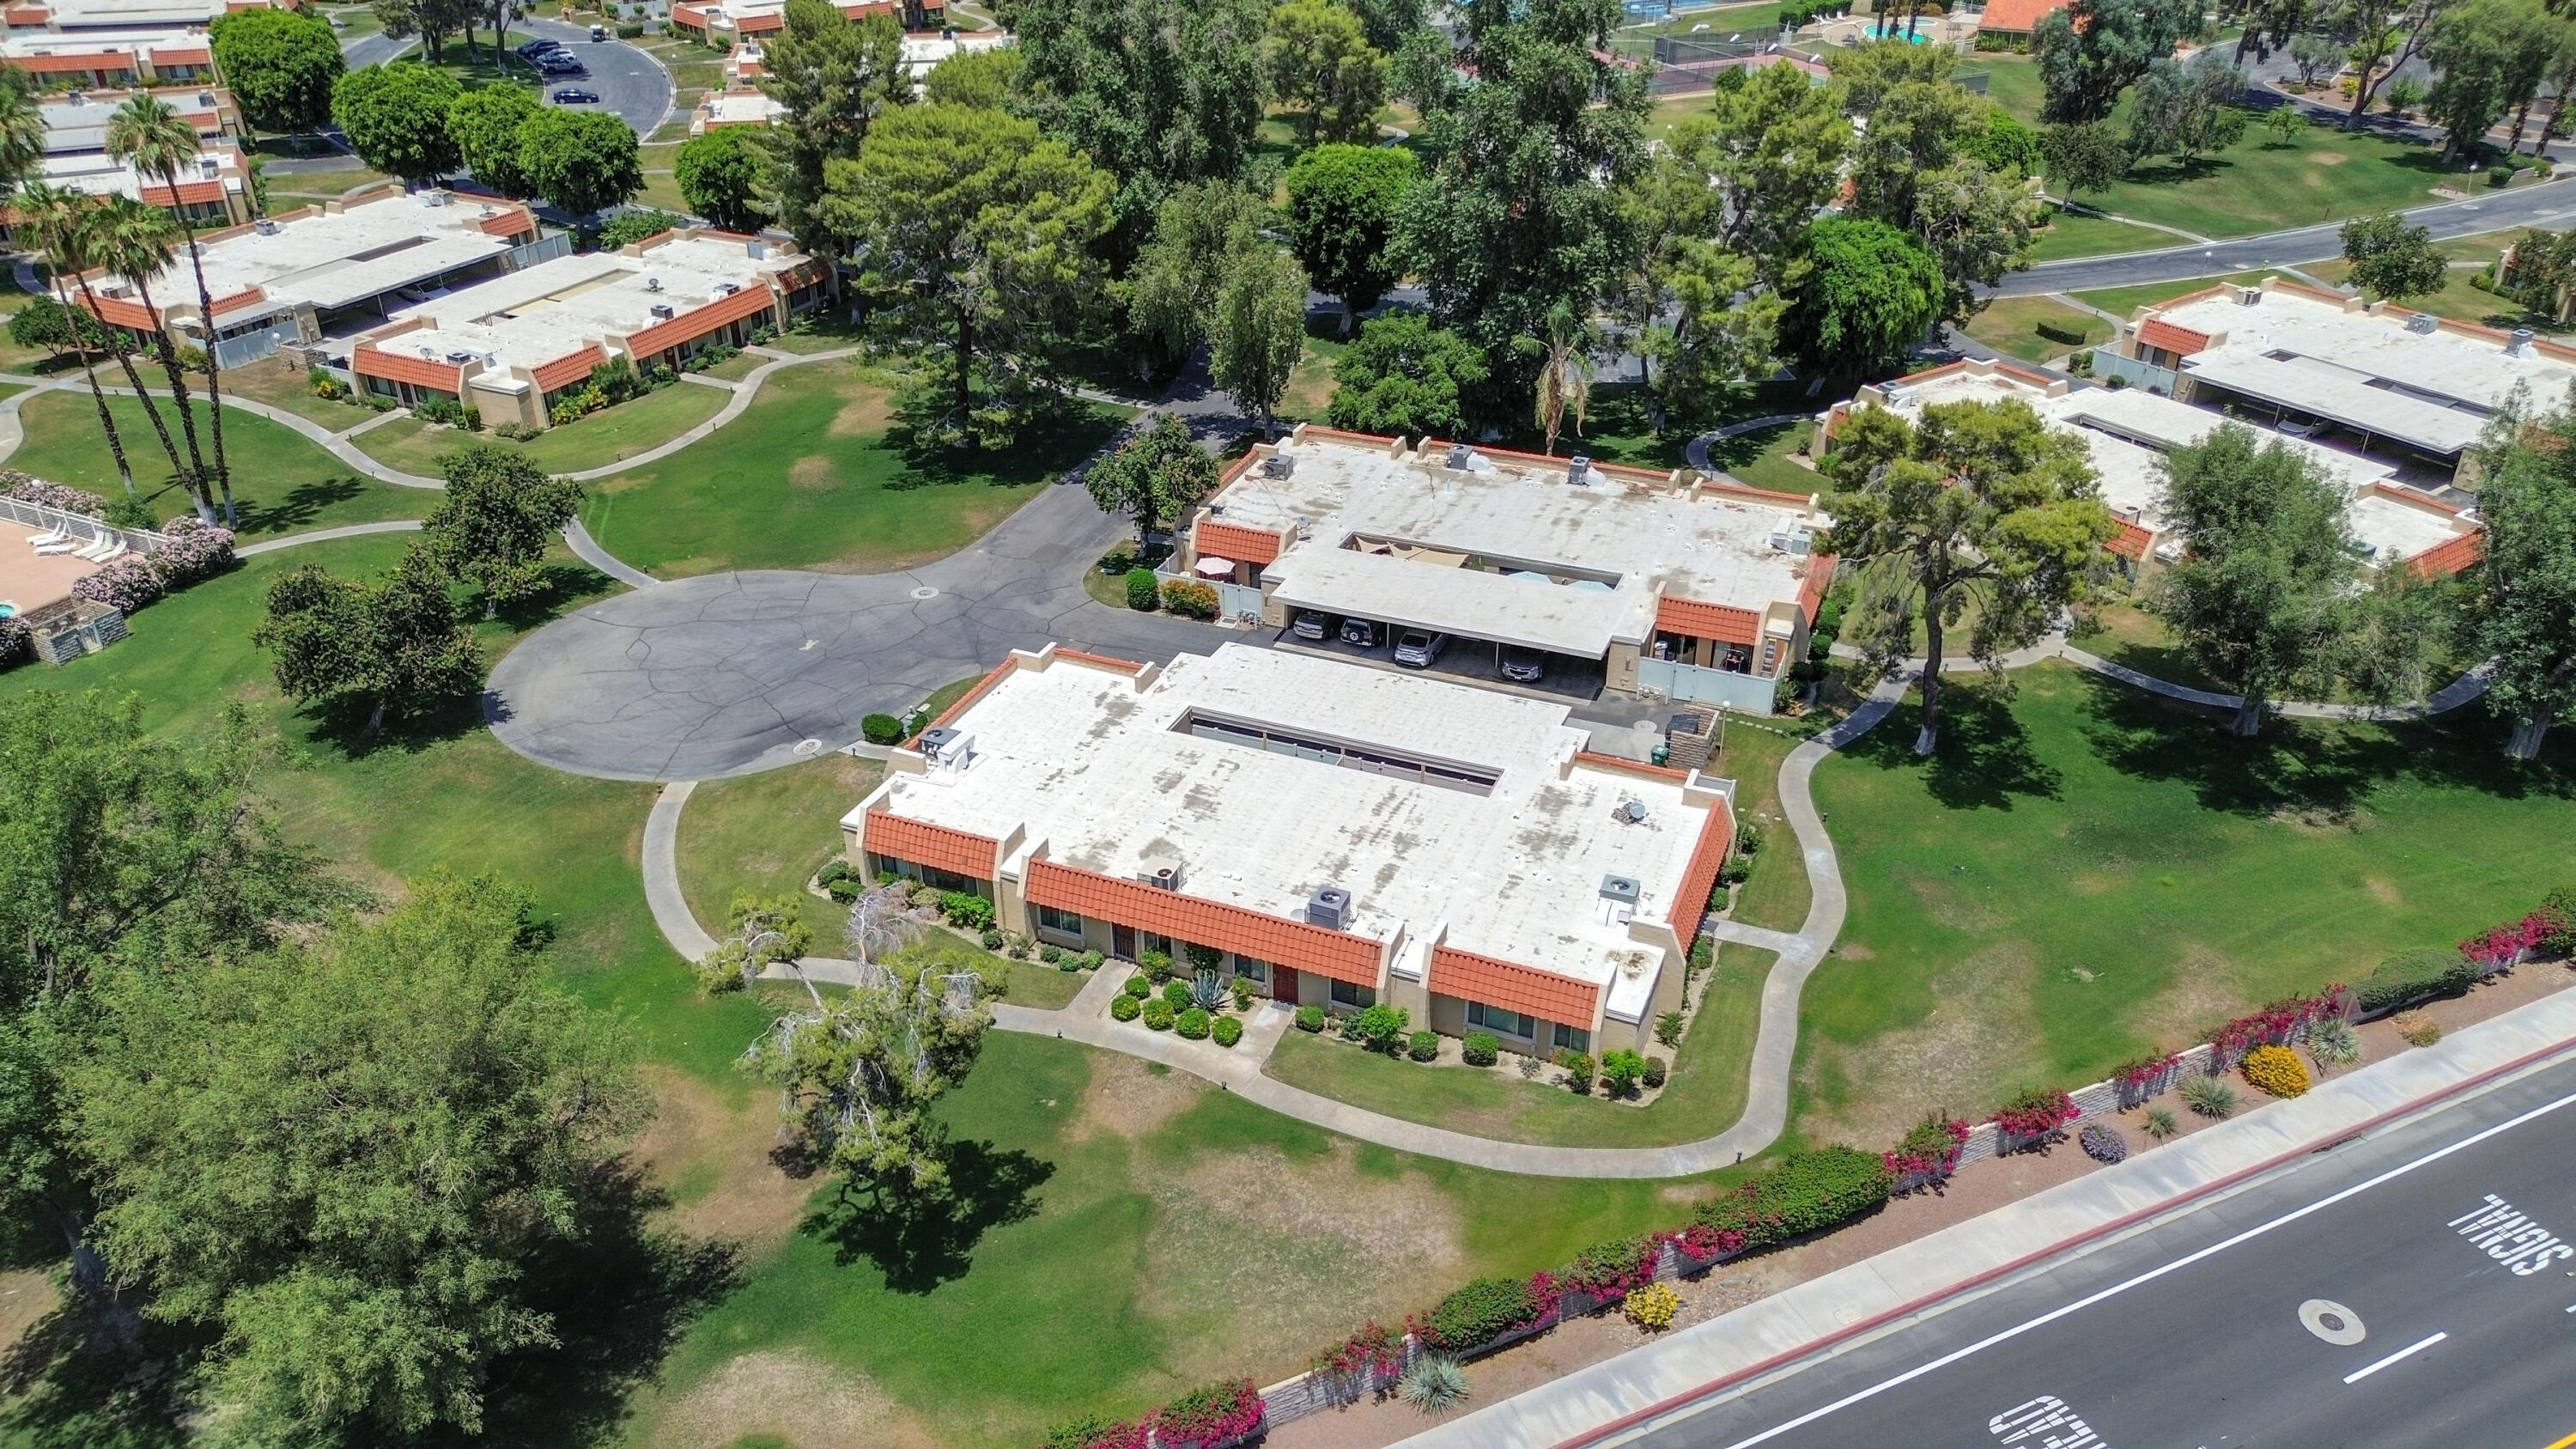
(437, 196)
(727, 289)
(1622, 888)
(459, 359)
(1578, 470)
(2520, 346)
(1630, 812)
(2422, 322)
(2249, 296)
(264, 226)
(661, 311)
(756, 249)
(1617, 904)
(1330, 908)
(1278, 465)
(1460, 455)
(652, 284)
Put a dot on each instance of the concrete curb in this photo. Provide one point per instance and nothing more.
(1652, 1383)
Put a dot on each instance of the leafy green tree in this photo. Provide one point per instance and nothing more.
(22, 128)
(1521, 208)
(352, 1172)
(765, 930)
(583, 161)
(395, 647)
(2315, 57)
(1978, 225)
(1715, 336)
(493, 524)
(1158, 93)
(633, 225)
(2084, 156)
(2286, 124)
(2385, 35)
(1917, 115)
(1322, 67)
(980, 78)
(46, 323)
(2008, 147)
(2184, 111)
(2391, 259)
(1979, 506)
(1342, 203)
(1405, 377)
(395, 117)
(1775, 147)
(2091, 50)
(1260, 329)
(859, 1080)
(1859, 294)
(485, 124)
(1156, 477)
(719, 177)
(1172, 289)
(432, 20)
(2258, 595)
(281, 66)
(2521, 595)
(977, 235)
(835, 76)
(2489, 57)
(1389, 24)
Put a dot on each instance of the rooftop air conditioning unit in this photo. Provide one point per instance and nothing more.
(661, 311)
(1330, 908)
(2520, 346)
(1278, 465)
(727, 289)
(756, 249)
(264, 226)
(1578, 470)
(1161, 870)
(206, 98)
(1460, 455)
(459, 359)
(1618, 900)
(2422, 322)
(437, 196)
(932, 741)
(953, 753)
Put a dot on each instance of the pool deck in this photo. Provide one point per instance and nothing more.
(28, 581)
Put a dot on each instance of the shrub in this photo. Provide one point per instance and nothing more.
(1578, 1073)
(1748, 838)
(2334, 1042)
(1051, 955)
(1157, 964)
(1123, 1008)
(1656, 1071)
(1158, 1014)
(2417, 1029)
(1621, 1070)
(1190, 599)
(924, 897)
(1611, 1268)
(2103, 1143)
(1481, 1312)
(1227, 1030)
(1480, 1049)
(1242, 988)
(2276, 1070)
(2411, 976)
(2209, 1096)
(52, 495)
(1653, 1306)
(323, 385)
(1140, 590)
(2159, 1123)
(1932, 1145)
(992, 940)
(1091, 960)
(1310, 1018)
(1435, 1385)
(1177, 993)
(1091, 1431)
(1668, 1028)
(1203, 958)
(1808, 1192)
(1137, 987)
(2558, 917)
(881, 729)
(127, 583)
(1216, 1414)
(1422, 1046)
(1379, 1028)
(1193, 1023)
(962, 909)
(2040, 1114)
(195, 551)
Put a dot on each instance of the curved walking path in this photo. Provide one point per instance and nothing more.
(325, 535)
(1696, 450)
(743, 393)
(337, 445)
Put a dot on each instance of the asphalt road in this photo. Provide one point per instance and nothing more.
(2549, 203)
(629, 82)
(2354, 1301)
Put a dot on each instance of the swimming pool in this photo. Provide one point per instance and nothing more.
(1889, 30)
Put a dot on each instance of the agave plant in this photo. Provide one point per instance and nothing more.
(1434, 1385)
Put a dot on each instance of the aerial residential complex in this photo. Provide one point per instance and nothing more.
(514, 345)
(724, 23)
(2129, 430)
(214, 191)
(746, 63)
(2416, 388)
(1577, 574)
(1344, 835)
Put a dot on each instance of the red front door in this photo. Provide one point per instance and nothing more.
(1283, 985)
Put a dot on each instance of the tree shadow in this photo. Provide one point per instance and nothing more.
(1983, 759)
(67, 1384)
(302, 505)
(923, 1240)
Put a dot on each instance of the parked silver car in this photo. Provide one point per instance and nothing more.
(1523, 666)
(1416, 648)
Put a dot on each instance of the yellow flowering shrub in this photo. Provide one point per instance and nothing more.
(1653, 1306)
(2277, 1070)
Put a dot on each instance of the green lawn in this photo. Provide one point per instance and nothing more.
(767, 834)
(281, 482)
(1761, 458)
(1310, 387)
(1776, 894)
(809, 478)
(2074, 234)
(2458, 298)
(604, 437)
(2080, 875)
(2121, 301)
(2010, 325)
(1704, 1096)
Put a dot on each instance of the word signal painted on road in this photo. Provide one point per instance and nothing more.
(2511, 1237)
(2044, 1423)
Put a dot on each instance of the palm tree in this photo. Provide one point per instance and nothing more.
(1565, 377)
(134, 243)
(53, 221)
(22, 127)
(152, 137)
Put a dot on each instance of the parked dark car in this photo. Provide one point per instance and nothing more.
(1312, 625)
(1363, 632)
(1523, 666)
(598, 33)
(1416, 648)
(535, 48)
(576, 96)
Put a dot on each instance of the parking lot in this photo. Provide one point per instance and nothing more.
(1561, 678)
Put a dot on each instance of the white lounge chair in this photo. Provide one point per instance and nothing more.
(99, 548)
(51, 535)
(64, 546)
(115, 549)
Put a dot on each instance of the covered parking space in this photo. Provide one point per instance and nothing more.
(1488, 617)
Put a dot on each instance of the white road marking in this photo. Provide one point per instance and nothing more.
(2332, 1322)
(2149, 1276)
(2357, 1375)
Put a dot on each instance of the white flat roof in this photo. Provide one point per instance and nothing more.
(2433, 389)
(532, 316)
(334, 260)
(1512, 516)
(1096, 769)
(740, 108)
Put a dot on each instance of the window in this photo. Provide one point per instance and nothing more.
(1495, 1019)
(1349, 994)
(1573, 1038)
(1256, 970)
(1063, 923)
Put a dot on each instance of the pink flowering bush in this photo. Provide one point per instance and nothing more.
(14, 638)
(1608, 1271)
(52, 495)
(1207, 1417)
(2147, 1075)
(2500, 946)
(2277, 1024)
(195, 551)
(127, 583)
(2037, 1115)
(1929, 1152)
(1361, 1362)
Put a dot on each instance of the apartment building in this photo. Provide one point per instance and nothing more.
(1343, 835)
(516, 344)
(113, 44)
(1573, 574)
(213, 192)
(727, 23)
(2129, 430)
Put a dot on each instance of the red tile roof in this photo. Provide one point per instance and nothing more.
(369, 361)
(2157, 332)
(1699, 879)
(2130, 541)
(937, 846)
(564, 371)
(1819, 582)
(1308, 947)
(1514, 987)
(2443, 560)
(1234, 541)
(1707, 621)
(2017, 17)
(698, 322)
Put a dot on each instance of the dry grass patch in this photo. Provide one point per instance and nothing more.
(712, 1156)
(811, 472)
(788, 1398)
(25, 1297)
(1127, 1098)
(1978, 1032)
(869, 411)
(2201, 995)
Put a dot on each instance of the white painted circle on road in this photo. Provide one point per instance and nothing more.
(2332, 1322)
(925, 592)
(809, 747)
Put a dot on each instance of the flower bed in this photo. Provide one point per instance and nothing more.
(2034, 1118)
(2146, 1077)
(2277, 1024)
(52, 495)
(1208, 1417)
(1929, 1153)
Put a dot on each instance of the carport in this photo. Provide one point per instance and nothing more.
(1572, 625)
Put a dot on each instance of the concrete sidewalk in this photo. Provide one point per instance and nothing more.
(1899, 1285)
